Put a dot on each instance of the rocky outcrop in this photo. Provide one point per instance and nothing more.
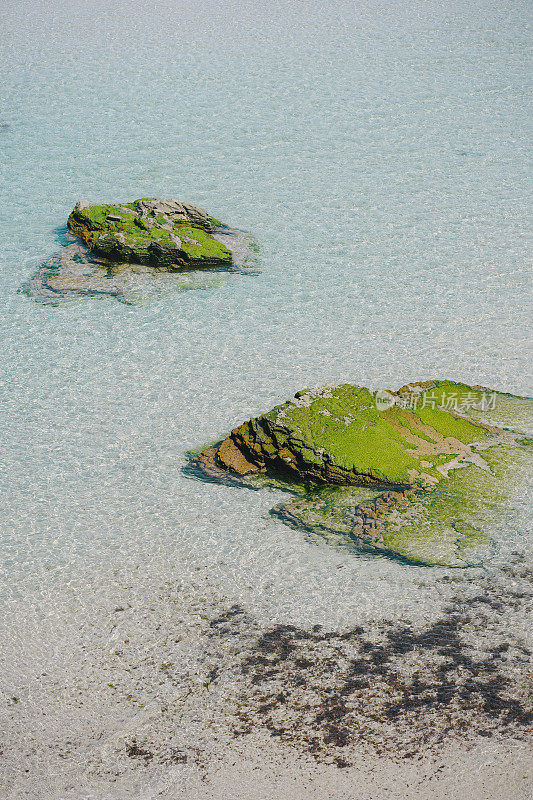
(118, 251)
(344, 435)
(165, 234)
(407, 473)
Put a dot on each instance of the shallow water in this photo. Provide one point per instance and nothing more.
(376, 153)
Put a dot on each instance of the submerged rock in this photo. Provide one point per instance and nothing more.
(156, 233)
(72, 273)
(408, 473)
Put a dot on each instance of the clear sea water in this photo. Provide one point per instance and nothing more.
(377, 152)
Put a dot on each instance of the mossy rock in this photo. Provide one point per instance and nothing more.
(347, 435)
(421, 473)
(164, 234)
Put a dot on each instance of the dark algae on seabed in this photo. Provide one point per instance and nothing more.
(421, 473)
(390, 687)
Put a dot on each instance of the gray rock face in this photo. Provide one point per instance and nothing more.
(72, 274)
(177, 212)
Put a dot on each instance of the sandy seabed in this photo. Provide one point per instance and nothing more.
(178, 693)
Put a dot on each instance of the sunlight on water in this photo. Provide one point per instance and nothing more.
(377, 157)
(375, 152)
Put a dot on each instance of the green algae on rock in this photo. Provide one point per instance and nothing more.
(418, 473)
(164, 234)
(141, 251)
(338, 435)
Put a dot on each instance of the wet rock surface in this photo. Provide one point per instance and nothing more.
(157, 233)
(420, 474)
(83, 270)
(74, 273)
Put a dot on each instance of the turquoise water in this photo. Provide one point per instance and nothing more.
(377, 153)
